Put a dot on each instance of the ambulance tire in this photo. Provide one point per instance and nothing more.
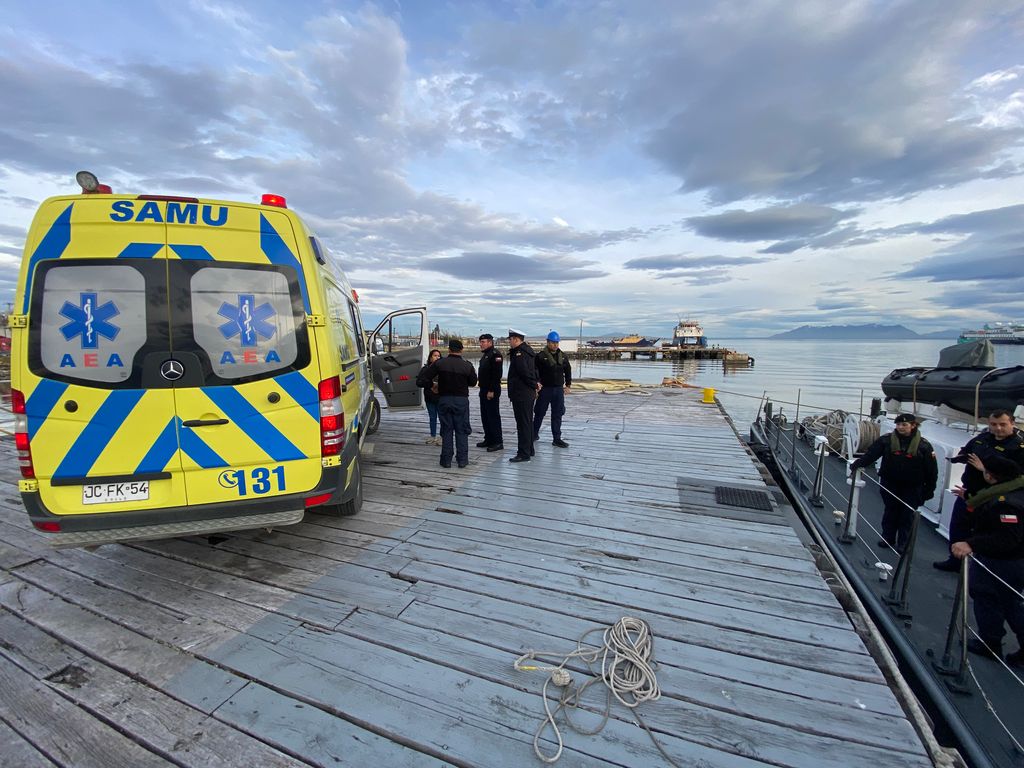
(373, 420)
(353, 505)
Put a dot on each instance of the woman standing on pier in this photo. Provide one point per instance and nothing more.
(430, 397)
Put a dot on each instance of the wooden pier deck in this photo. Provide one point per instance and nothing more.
(388, 639)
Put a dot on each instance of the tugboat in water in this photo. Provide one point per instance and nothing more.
(688, 333)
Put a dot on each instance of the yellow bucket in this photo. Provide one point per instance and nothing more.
(709, 395)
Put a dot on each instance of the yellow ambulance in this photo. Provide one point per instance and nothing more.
(185, 366)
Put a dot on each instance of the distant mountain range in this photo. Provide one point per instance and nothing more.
(866, 332)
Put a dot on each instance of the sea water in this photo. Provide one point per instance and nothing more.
(823, 375)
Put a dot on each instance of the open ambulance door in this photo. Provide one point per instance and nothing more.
(398, 350)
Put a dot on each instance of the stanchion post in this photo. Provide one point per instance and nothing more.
(821, 448)
(957, 624)
(897, 597)
(796, 426)
(849, 533)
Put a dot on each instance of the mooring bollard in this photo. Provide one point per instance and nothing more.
(709, 395)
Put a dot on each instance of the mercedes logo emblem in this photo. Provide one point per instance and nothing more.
(172, 370)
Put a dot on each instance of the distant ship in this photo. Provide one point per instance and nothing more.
(999, 333)
(689, 334)
(626, 341)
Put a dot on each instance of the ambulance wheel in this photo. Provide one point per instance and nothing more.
(373, 420)
(353, 505)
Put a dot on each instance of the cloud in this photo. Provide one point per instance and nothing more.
(513, 268)
(687, 261)
(771, 223)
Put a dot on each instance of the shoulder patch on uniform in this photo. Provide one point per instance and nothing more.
(1007, 518)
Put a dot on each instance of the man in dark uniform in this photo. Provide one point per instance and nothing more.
(1002, 439)
(555, 376)
(522, 391)
(454, 378)
(907, 478)
(489, 375)
(996, 540)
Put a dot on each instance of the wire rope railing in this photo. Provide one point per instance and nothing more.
(955, 664)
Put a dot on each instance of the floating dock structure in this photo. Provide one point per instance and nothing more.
(389, 638)
(692, 352)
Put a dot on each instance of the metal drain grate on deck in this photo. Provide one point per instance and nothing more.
(743, 497)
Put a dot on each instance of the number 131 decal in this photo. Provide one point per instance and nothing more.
(258, 480)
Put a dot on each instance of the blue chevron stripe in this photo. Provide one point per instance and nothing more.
(42, 400)
(140, 250)
(194, 252)
(98, 432)
(162, 450)
(198, 450)
(253, 424)
(278, 252)
(302, 392)
(52, 246)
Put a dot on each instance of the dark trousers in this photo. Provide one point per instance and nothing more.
(994, 603)
(432, 413)
(523, 411)
(454, 414)
(490, 417)
(555, 397)
(898, 515)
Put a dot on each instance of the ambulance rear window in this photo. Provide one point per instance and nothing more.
(246, 319)
(89, 321)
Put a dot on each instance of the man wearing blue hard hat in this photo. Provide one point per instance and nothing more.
(555, 376)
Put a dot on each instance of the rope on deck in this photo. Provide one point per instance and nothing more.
(627, 671)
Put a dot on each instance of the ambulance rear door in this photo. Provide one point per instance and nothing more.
(101, 420)
(398, 350)
(247, 395)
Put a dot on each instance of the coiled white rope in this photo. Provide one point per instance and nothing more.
(627, 671)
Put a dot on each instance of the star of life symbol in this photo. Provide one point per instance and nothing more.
(89, 321)
(247, 320)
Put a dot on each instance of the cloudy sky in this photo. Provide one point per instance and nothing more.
(757, 165)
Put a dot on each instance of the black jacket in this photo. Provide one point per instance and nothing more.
(553, 368)
(427, 384)
(454, 376)
(489, 371)
(997, 527)
(901, 471)
(985, 445)
(522, 373)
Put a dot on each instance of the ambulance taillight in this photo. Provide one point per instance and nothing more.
(332, 417)
(21, 434)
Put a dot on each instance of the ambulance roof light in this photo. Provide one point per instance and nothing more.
(90, 184)
(277, 200)
(355, 296)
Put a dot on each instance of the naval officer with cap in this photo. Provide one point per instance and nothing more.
(489, 376)
(522, 391)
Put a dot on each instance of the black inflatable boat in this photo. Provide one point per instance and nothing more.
(970, 390)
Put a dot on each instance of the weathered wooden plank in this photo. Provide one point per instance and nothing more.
(173, 596)
(181, 733)
(815, 725)
(58, 729)
(319, 736)
(540, 629)
(200, 685)
(704, 583)
(480, 598)
(387, 595)
(30, 648)
(448, 714)
(509, 580)
(631, 555)
(15, 751)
